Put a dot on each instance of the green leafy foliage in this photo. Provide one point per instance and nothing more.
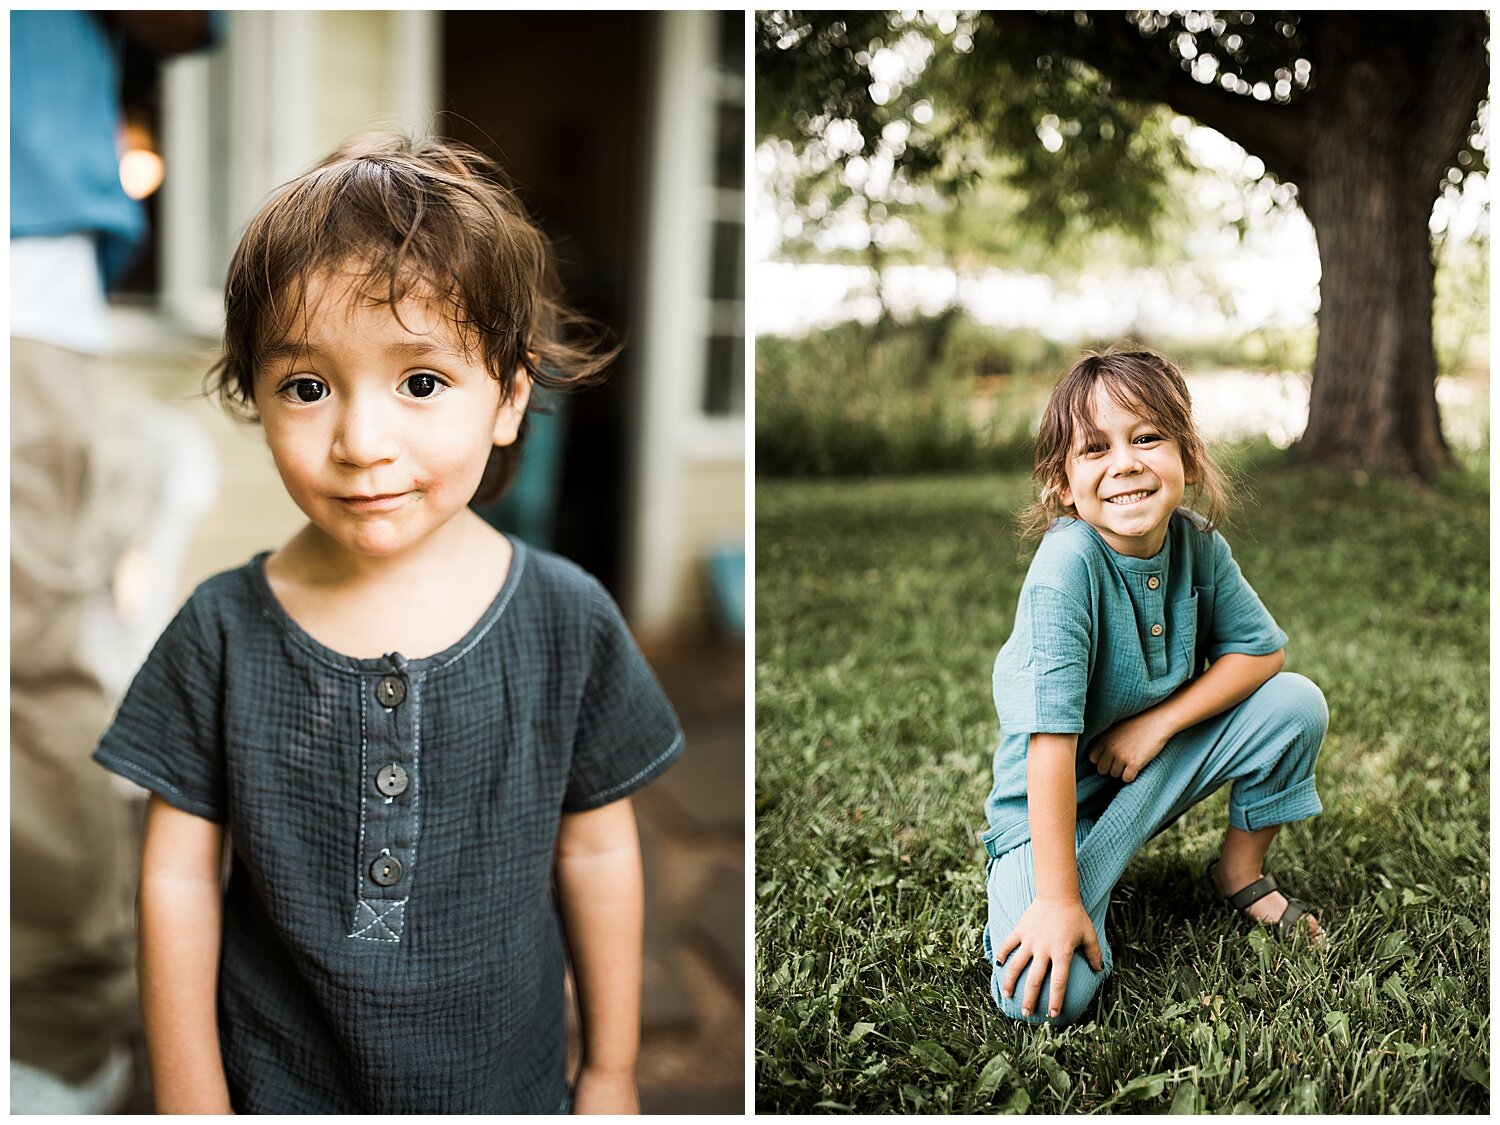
(1084, 158)
(1036, 145)
(849, 401)
(937, 394)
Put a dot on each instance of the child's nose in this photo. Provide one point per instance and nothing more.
(364, 436)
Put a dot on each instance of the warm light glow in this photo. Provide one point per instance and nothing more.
(141, 172)
(132, 584)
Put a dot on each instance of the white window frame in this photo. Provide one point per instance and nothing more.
(671, 426)
(272, 59)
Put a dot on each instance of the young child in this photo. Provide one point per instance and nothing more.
(1142, 674)
(419, 733)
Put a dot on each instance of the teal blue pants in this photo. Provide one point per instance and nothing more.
(1266, 746)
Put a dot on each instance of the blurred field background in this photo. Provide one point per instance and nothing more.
(920, 283)
(951, 207)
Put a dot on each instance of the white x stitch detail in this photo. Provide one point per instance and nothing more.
(394, 908)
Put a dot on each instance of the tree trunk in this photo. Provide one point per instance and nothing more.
(876, 257)
(1372, 172)
(1374, 401)
(1392, 99)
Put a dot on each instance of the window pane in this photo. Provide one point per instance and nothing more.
(728, 282)
(725, 386)
(729, 159)
(732, 41)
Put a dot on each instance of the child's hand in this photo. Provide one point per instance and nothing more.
(1047, 934)
(1125, 748)
(605, 1091)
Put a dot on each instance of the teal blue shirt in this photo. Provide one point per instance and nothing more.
(1101, 636)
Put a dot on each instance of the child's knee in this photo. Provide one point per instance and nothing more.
(1298, 701)
(1083, 985)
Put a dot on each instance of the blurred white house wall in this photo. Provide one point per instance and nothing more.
(286, 86)
(689, 485)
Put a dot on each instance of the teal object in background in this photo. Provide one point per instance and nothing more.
(529, 506)
(726, 577)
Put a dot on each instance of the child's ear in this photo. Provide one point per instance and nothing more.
(1065, 495)
(512, 410)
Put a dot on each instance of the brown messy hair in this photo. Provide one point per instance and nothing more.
(423, 219)
(1138, 380)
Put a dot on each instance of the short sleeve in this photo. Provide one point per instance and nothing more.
(1240, 622)
(167, 734)
(627, 731)
(1041, 682)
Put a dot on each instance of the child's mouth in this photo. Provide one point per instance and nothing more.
(380, 503)
(1130, 497)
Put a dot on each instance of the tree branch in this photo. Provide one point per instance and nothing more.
(1455, 62)
(1143, 69)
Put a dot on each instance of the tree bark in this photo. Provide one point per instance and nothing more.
(1374, 399)
(876, 257)
(1373, 171)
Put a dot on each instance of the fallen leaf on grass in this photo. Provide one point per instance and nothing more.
(1018, 1102)
(1397, 990)
(1186, 1100)
(858, 1032)
(1144, 1088)
(934, 1056)
(995, 1071)
(1391, 946)
(1058, 1079)
(1338, 1026)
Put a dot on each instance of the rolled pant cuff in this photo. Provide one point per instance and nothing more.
(1297, 803)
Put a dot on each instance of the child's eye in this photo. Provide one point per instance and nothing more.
(1148, 438)
(1095, 447)
(424, 385)
(306, 390)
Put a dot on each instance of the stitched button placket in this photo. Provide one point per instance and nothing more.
(1152, 605)
(389, 787)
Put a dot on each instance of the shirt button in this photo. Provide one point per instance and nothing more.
(1153, 582)
(1156, 630)
(386, 870)
(391, 780)
(390, 691)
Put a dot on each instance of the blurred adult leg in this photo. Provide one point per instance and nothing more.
(72, 928)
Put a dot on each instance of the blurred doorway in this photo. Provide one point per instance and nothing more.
(573, 140)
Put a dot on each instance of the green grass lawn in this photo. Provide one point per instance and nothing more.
(880, 606)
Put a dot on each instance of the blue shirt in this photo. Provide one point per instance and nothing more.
(1101, 636)
(64, 116)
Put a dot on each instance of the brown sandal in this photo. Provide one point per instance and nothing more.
(1286, 925)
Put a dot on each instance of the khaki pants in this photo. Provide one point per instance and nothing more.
(72, 847)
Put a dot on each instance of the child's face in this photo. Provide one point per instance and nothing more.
(380, 430)
(1126, 482)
